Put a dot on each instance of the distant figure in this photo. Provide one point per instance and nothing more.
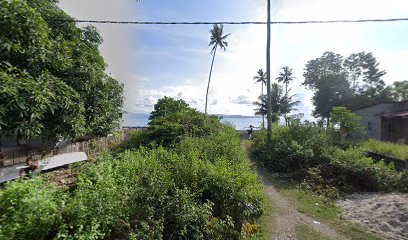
(30, 167)
(250, 131)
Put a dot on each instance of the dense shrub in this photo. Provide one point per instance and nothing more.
(171, 129)
(291, 148)
(157, 193)
(308, 154)
(172, 120)
(201, 189)
(137, 138)
(29, 209)
(350, 170)
(198, 187)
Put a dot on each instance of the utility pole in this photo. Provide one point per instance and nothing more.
(268, 72)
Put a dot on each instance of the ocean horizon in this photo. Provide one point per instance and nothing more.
(239, 122)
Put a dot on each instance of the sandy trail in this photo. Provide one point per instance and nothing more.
(286, 217)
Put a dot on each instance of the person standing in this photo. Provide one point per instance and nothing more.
(250, 131)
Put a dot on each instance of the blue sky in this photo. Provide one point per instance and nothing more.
(153, 60)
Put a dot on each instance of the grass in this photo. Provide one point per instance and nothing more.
(323, 210)
(391, 149)
(265, 221)
(304, 232)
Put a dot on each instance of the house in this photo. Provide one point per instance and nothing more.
(386, 121)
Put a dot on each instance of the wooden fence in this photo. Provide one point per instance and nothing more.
(91, 147)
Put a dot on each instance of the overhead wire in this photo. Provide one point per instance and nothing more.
(231, 22)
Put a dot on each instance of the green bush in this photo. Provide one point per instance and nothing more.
(171, 129)
(158, 193)
(391, 149)
(307, 153)
(198, 187)
(171, 121)
(137, 138)
(350, 170)
(291, 149)
(29, 209)
(403, 182)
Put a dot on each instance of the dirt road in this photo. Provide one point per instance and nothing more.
(285, 216)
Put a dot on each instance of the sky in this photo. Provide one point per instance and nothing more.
(153, 61)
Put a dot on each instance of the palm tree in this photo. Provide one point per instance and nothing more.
(216, 40)
(280, 103)
(287, 105)
(261, 77)
(285, 77)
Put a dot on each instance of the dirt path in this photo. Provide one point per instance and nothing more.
(286, 216)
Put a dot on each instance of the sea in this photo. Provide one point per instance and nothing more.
(239, 122)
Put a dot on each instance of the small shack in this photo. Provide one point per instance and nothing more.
(386, 121)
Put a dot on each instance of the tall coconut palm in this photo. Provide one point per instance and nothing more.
(286, 77)
(217, 40)
(261, 78)
(280, 103)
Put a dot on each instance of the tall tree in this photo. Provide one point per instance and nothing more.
(217, 40)
(280, 103)
(329, 63)
(357, 79)
(286, 76)
(365, 78)
(54, 83)
(400, 91)
(331, 91)
(261, 78)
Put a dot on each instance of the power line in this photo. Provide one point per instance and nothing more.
(233, 23)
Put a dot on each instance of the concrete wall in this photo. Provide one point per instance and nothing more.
(371, 117)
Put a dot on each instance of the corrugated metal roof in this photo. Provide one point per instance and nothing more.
(402, 114)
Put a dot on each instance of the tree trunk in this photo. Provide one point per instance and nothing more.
(268, 72)
(263, 115)
(286, 95)
(343, 134)
(1, 151)
(209, 79)
(327, 124)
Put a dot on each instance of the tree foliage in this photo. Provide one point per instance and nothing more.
(286, 76)
(400, 90)
(331, 91)
(346, 119)
(281, 104)
(261, 78)
(355, 81)
(167, 106)
(53, 77)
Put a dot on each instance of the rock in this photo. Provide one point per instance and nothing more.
(385, 228)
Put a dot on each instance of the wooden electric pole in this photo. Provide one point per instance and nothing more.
(268, 72)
